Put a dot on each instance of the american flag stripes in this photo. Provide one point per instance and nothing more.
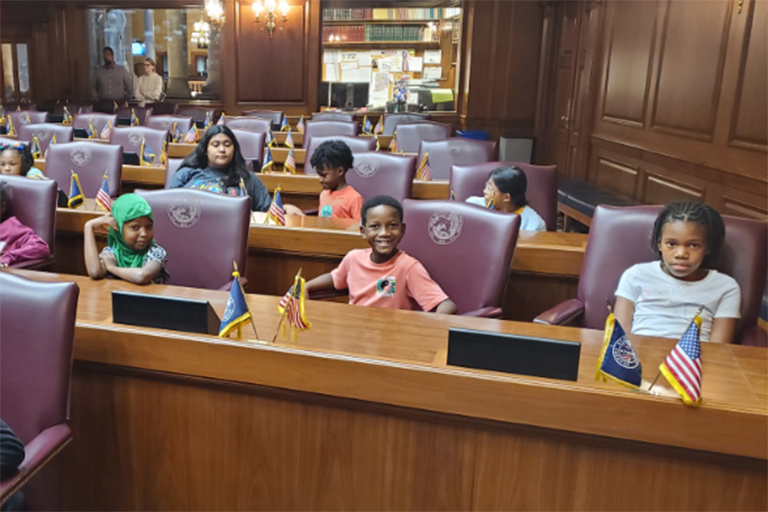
(425, 171)
(276, 211)
(290, 163)
(682, 367)
(102, 196)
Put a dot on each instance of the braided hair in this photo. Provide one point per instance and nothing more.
(26, 154)
(699, 213)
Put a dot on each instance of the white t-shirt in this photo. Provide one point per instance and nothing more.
(529, 219)
(665, 305)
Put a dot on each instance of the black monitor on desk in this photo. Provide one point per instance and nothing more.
(344, 95)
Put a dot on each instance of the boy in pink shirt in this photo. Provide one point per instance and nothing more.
(332, 159)
(384, 276)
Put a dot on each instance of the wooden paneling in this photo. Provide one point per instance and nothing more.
(617, 176)
(660, 189)
(629, 53)
(690, 67)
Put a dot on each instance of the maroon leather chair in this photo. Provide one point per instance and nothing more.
(98, 119)
(89, 160)
(274, 116)
(130, 138)
(333, 116)
(392, 120)
(446, 236)
(743, 256)
(203, 233)
(166, 122)
(251, 144)
(171, 168)
(249, 123)
(44, 132)
(142, 113)
(356, 144)
(196, 113)
(444, 154)
(33, 202)
(379, 173)
(326, 128)
(21, 117)
(37, 330)
(410, 135)
(469, 180)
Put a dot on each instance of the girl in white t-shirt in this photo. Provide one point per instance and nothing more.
(505, 191)
(660, 298)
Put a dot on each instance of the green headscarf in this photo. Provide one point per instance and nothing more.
(125, 208)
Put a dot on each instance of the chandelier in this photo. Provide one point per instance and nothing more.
(201, 34)
(215, 11)
(270, 17)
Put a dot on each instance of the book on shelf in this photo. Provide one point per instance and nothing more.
(393, 14)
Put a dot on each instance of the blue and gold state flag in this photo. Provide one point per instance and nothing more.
(618, 359)
(270, 139)
(178, 135)
(284, 125)
(208, 120)
(236, 313)
(67, 121)
(146, 155)
(91, 130)
(134, 118)
(76, 197)
(367, 126)
(51, 143)
(9, 129)
(268, 162)
(37, 153)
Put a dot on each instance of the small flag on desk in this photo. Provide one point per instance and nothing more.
(208, 120)
(289, 140)
(192, 135)
(284, 125)
(134, 118)
(176, 133)
(67, 121)
(9, 129)
(268, 162)
(146, 156)
(379, 128)
(300, 124)
(367, 126)
(37, 153)
(453, 195)
(3, 113)
(91, 130)
(221, 119)
(236, 313)
(618, 360)
(276, 211)
(75, 191)
(126, 104)
(682, 367)
(393, 143)
(270, 139)
(106, 132)
(115, 106)
(102, 196)
(425, 171)
(378, 146)
(292, 308)
(290, 163)
(164, 154)
(51, 143)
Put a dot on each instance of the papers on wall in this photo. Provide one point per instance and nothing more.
(432, 73)
(355, 74)
(331, 56)
(379, 90)
(414, 64)
(364, 59)
(348, 65)
(348, 56)
(331, 72)
(392, 63)
(433, 56)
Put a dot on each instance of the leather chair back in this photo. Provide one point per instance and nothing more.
(21, 117)
(142, 113)
(98, 119)
(44, 132)
(196, 113)
(392, 120)
(446, 236)
(356, 144)
(249, 123)
(444, 154)
(171, 168)
(743, 256)
(469, 180)
(326, 128)
(203, 234)
(410, 135)
(380, 173)
(89, 160)
(166, 122)
(333, 116)
(130, 138)
(251, 144)
(274, 116)
(37, 330)
(33, 202)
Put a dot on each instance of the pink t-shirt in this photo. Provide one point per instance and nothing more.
(394, 284)
(341, 204)
(20, 243)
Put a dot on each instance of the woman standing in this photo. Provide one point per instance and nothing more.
(149, 87)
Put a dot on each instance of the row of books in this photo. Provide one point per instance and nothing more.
(360, 33)
(382, 14)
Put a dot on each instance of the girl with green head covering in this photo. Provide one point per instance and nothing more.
(131, 252)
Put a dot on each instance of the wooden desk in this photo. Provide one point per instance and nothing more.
(362, 413)
(135, 176)
(544, 272)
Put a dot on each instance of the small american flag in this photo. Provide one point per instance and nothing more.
(289, 140)
(102, 196)
(276, 211)
(106, 132)
(682, 367)
(290, 163)
(191, 136)
(300, 126)
(425, 171)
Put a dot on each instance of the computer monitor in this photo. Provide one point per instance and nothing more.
(344, 95)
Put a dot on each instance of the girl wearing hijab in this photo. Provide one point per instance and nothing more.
(131, 252)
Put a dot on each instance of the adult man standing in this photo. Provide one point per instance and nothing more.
(111, 82)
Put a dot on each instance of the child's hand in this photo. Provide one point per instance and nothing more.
(292, 210)
(102, 223)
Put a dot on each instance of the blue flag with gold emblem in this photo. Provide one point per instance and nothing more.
(147, 156)
(76, 197)
(236, 313)
(618, 359)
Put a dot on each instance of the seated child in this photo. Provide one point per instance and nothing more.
(18, 243)
(505, 191)
(660, 298)
(16, 158)
(332, 159)
(131, 252)
(384, 276)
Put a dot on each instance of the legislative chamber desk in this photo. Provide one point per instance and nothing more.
(362, 413)
(544, 272)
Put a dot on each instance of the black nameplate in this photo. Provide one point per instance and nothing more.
(508, 353)
(81, 133)
(174, 313)
(131, 158)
